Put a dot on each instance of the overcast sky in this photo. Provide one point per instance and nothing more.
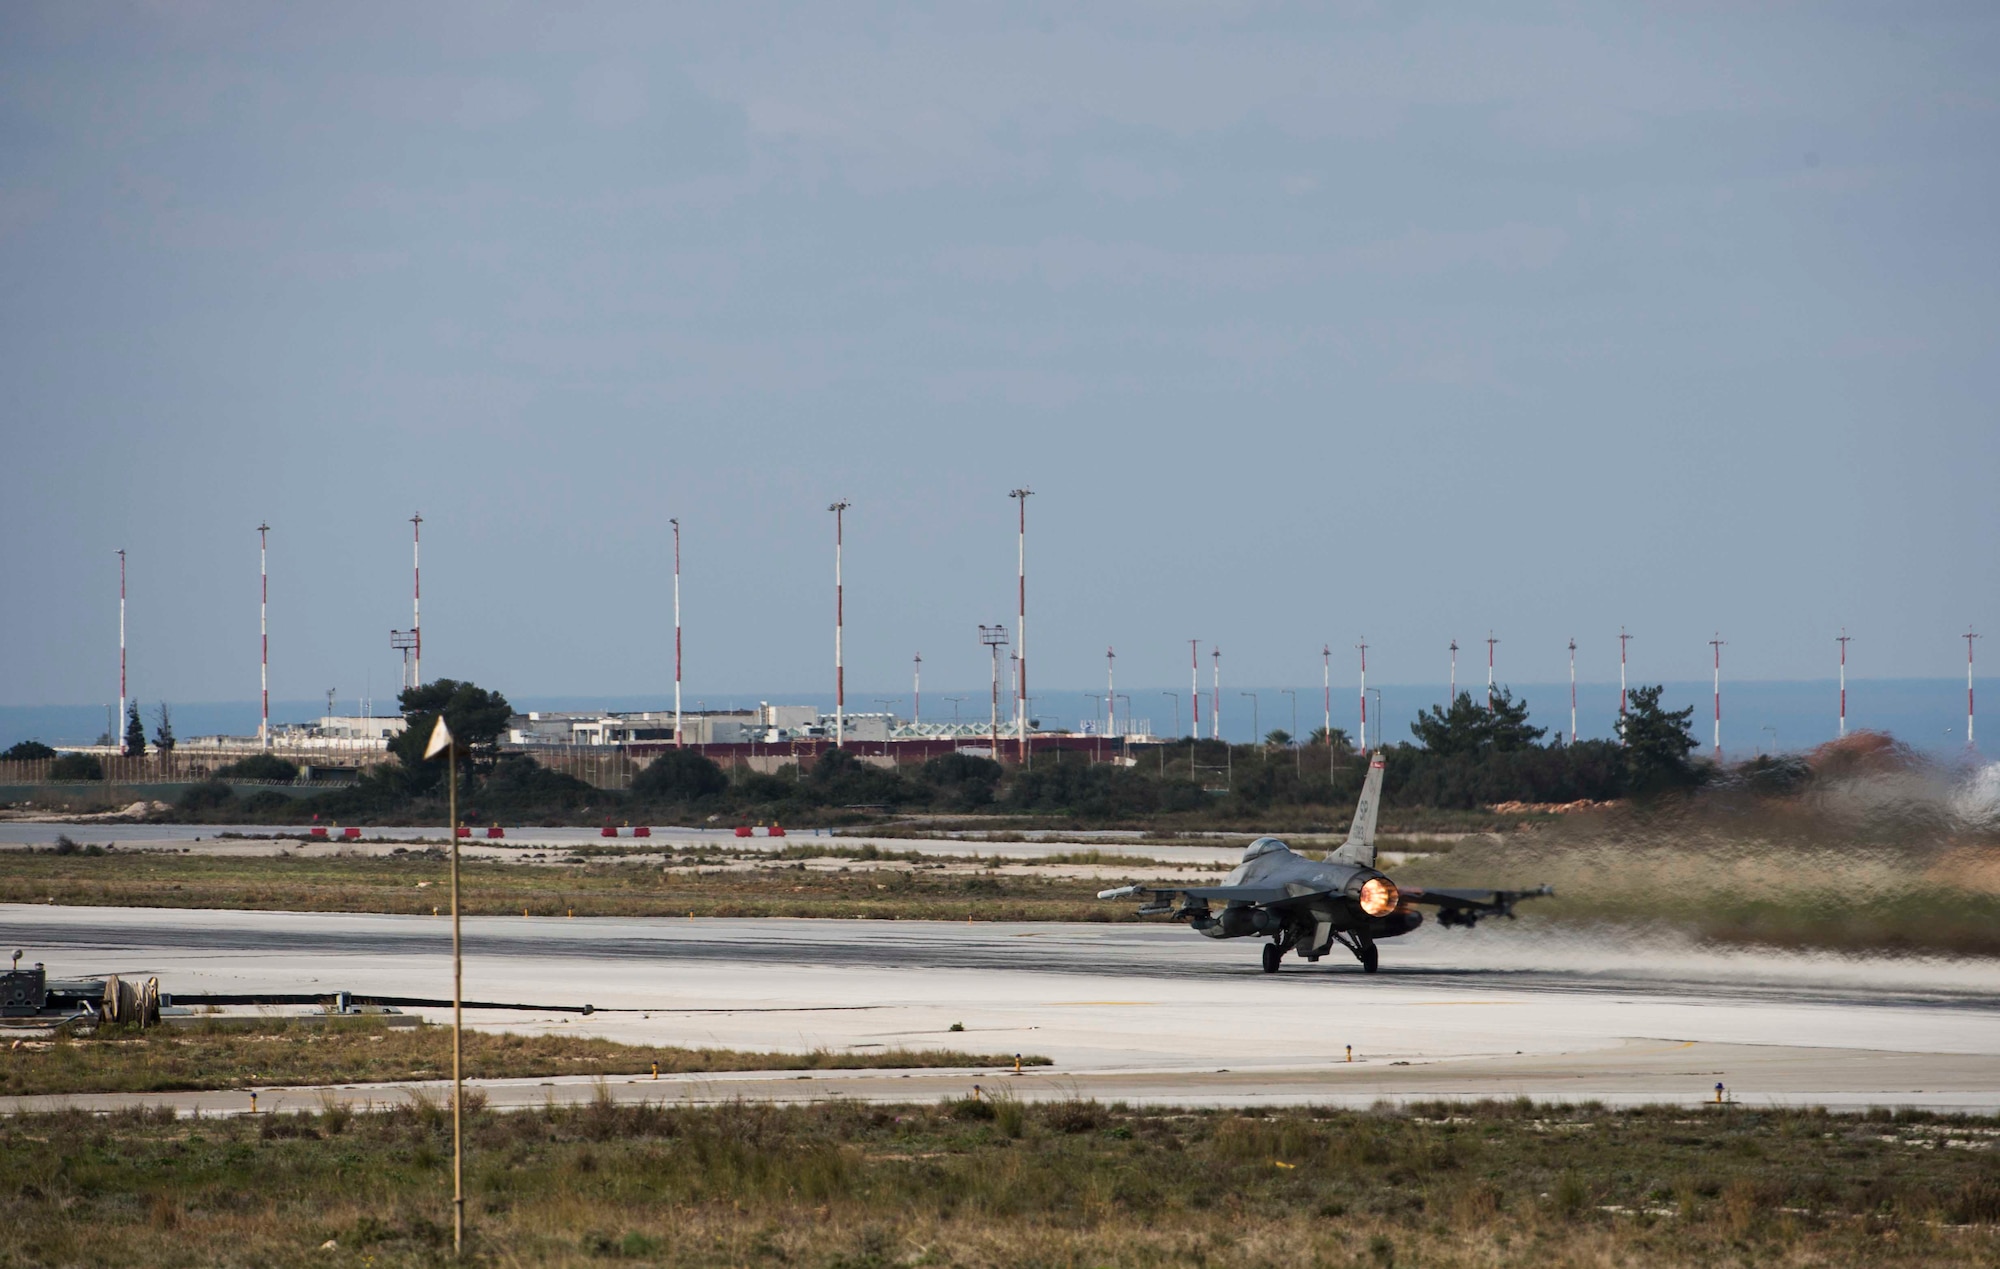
(1305, 323)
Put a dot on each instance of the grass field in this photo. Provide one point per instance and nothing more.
(270, 1052)
(413, 884)
(985, 1184)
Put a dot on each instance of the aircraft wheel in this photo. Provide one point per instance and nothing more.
(1272, 955)
(1370, 958)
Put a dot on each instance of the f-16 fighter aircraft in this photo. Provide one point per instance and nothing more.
(1307, 905)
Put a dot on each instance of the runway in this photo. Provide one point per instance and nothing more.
(1150, 1014)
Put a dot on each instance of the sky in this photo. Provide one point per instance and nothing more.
(1307, 324)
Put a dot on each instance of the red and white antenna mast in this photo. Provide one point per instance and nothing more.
(1716, 643)
(417, 597)
(917, 691)
(1451, 687)
(1970, 635)
(677, 630)
(1326, 680)
(1363, 645)
(264, 633)
(1490, 641)
(839, 510)
(1842, 641)
(1194, 687)
(1021, 497)
(1623, 639)
(1110, 691)
(1215, 704)
(1572, 691)
(121, 649)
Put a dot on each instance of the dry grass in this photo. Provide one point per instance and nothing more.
(1074, 1184)
(1784, 874)
(250, 1053)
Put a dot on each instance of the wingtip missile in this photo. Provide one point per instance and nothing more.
(1122, 892)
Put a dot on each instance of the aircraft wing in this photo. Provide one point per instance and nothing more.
(1469, 905)
(1224, 894)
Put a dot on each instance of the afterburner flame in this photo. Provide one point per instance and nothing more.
(1379, 896)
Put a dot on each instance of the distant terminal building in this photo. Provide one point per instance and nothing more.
(331, 734)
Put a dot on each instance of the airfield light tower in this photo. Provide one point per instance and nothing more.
(1451, 685)
(121, 648)
(1194, 689)
(917, 691)
(1971, 635)
(1215, 701)
(995, 638)
(839, 510)
(417, 599)
(1110, 692)
(677, 631)
(1490, 641)
(1716, 643)
(1363, 645)
(1021, 496)
(1572, 691)
(264, 635)
(1843, 641)
(1623, 639)
(1326, 686)
(1176, 698)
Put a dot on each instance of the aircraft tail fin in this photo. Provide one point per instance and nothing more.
(1359, 847)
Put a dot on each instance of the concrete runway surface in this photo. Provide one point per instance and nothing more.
(1146, 1014)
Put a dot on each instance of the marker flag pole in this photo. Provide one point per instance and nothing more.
(441, 740)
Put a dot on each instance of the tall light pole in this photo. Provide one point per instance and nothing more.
(1572, 691)
(1194, 689)
(917, 691)
(264, 635)
(1451, 684)
(1020, 497)
(417, 599)
(955, 702)
(1842, 641)
(1176, 698)
(1490, 641)
(1623, 639)
(1096, 742)
(1381, 720)
(1256, 719)
(839, 510)
(995, 638)
(121, 655)
(1363, 645)
(677, 631)
(1971, 635)
(1716, 643)
(1110, 691)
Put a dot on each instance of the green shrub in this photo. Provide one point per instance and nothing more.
(76, 766)
(260, 766)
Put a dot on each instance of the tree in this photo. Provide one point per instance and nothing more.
(475, 716)
(267, 767)
(1278, 738)
(135, 732)
(1657, 743)
(1466, 728)
(28, 751)
(680, 775)
(76, 766)
(1338, 735)
(163, 730)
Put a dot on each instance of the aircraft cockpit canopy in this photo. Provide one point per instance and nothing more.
(1262, 846)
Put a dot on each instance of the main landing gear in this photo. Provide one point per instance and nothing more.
(1272, 955)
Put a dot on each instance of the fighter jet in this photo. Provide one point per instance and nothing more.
(1306, 905)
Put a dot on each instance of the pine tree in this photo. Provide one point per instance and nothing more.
(163, 730)
(1657, 743)
(135, 732)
